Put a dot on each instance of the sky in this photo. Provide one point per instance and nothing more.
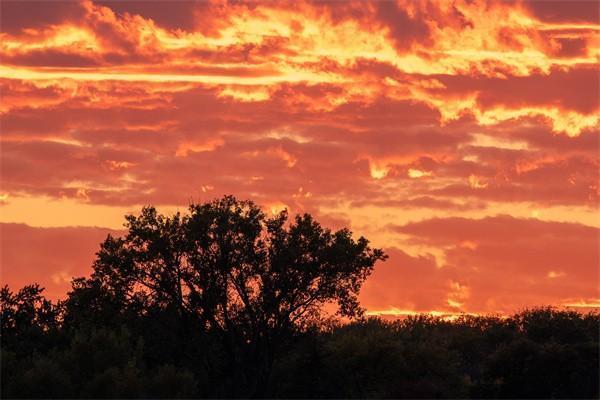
(460, 136)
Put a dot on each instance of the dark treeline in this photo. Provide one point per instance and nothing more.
(225, 302)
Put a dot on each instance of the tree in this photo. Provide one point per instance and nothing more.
(26, 313)
(228, 270)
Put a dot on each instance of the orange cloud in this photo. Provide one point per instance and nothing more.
(49, 256)
(491, 264)
(358, 112)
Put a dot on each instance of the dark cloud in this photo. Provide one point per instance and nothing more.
(574, 89)
(575, 11)
(17, 15)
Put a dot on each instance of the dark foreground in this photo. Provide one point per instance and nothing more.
(541, 353)
(227, 302)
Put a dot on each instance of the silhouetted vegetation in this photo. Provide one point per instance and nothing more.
(225, 302)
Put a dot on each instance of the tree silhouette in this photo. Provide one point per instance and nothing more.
(28, 314)
(227, 302)
(228, 269)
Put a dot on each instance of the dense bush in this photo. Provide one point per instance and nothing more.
(540, 353)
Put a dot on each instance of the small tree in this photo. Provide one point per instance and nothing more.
(228, 269)
(26, 313)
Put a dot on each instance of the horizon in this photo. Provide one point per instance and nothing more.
(462, 138)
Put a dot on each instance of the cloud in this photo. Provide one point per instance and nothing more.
(20, 15)
(573, 89)
(579, 11)
(165, 140)
(358, 112)
(406, 282)
(48, 256)
(181, 15)
(506, 262)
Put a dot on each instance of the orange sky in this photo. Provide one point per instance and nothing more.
(461, 136)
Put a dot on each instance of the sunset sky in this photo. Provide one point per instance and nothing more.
(460, 136)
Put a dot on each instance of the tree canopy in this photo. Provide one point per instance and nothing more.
(227, 269)
(231, 267)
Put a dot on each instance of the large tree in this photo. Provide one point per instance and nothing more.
(229, 270)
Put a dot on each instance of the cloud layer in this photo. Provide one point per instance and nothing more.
(367, 114)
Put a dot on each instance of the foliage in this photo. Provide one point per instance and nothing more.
(419, 357)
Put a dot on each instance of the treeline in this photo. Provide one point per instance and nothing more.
(226, 301)
(62, 351)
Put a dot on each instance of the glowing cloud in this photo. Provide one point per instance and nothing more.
(365, 114)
